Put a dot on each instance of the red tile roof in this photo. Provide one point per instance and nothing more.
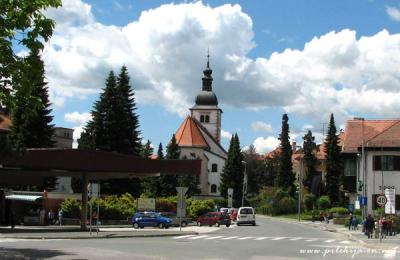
(374, 133)
(189, 134)
(5, 122)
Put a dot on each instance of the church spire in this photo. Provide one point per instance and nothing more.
(207, 78)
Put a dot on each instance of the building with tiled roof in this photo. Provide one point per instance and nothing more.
(199, 136)
(371, 152)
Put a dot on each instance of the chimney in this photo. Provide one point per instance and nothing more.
(293, 146)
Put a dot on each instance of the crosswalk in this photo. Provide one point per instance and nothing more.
(252, 238)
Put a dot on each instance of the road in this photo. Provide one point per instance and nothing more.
(270, 239)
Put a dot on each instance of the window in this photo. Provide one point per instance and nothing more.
(350, 167)
(386, 163)
(214, 167)
(207, 119)
(202, 118)
(214, 188)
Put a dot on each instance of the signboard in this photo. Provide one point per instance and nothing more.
(148, 204)
(390, 206)
(94, 190)
(363, 201)
(357, 204)
(230, 195)
(381, 200)
(181, 202)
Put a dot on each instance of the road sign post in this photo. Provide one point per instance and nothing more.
(230, 195)
(381, 200)
(390, 206)
(181, 204)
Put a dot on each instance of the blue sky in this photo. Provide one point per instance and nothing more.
(305, 58)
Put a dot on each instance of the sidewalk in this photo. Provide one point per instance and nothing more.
(74, 232)
(356, 235)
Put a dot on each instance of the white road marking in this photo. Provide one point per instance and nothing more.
(329, 241)
(211, 238)
(197, 237)
(244, 238)
(228, 238)
(345, 242)
(278, 238)
(295, 238)
(260, 238)
(185, 236)
(310, 240)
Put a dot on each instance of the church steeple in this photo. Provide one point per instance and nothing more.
(207, 78)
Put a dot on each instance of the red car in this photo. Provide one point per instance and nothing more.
(233, 213)
(214, 218)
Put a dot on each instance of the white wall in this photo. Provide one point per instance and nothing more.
(214, 177)
(214, 126)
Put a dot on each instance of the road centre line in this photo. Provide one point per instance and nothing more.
(295, 238)
(185, 236)
(198, 237)
(210, 238)
(261, 238)
(228, 238)
(278, 238)
(329, 241)
(244, 238)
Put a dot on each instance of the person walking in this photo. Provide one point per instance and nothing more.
(354, 222)
(51, 217)
(351, 221)
(369, 225)
(60, 217)
(384, 229)
(42, 216)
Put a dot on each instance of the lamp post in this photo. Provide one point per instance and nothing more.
(244, 182)
(300, 182)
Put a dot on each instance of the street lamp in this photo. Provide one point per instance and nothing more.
(244, 182)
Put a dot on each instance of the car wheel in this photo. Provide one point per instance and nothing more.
(183, 224)
(217, 224)
(228, 225)
(254, 223)
(237, 224)
(136, 225)
(198, 224)
(161, 225)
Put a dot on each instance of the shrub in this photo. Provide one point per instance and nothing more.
(197, 208)
(71, 208)
(285, 205)
(309, 200)
(339, 210)
(379, 211)
(116, 207)
(166, 204)
(323, 202)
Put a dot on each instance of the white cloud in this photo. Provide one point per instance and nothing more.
(165, 49)
(261, 127)
(226, 134)
(267, 144)
(77, 118)
(393, 12)
(77, 134)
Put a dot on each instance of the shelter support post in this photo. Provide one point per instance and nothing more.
(84, 200)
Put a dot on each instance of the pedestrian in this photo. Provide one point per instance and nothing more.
(60, 217)
(326, 218)
(384, 227)
(369, 225)
(51, 217)
(351, 221)
(354, 222)
(42, 216)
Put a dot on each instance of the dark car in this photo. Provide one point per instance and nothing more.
(214, 218)
(175, 219)
(150, 219)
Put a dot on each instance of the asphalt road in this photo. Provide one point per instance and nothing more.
(270, 239)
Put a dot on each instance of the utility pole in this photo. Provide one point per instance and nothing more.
(299, 199)
(244, 182)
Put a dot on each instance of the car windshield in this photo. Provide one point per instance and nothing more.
(246, 211)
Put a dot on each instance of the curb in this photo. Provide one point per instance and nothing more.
(105, 236)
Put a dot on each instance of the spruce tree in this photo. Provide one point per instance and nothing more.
(310, 161)
(285, 176)
(168, 183)
(160, 153)
(254, 170)
(147, 150)
(334, 170)
(232, 174)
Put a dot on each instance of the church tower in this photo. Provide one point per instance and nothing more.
(206, 109)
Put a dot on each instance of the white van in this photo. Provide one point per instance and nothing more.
(246, 215)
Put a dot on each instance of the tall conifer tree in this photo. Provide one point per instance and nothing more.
(168, 183)
(334, 170)
(232, 174)
(285, 176)
(310, 161)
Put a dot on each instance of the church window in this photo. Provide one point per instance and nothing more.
(214, 167)
(207, 119)
(202, 118)
(214, 188)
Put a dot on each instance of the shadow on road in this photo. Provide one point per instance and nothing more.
(13, 253)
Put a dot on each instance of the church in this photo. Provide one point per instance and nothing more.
(199, 137)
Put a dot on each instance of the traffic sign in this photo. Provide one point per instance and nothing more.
(381, 200)
(363, 200)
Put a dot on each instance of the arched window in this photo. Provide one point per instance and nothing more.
(214, 167)
(214, 188)
(202, 118)
(207, 119)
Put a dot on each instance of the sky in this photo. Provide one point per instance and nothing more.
(306, 58)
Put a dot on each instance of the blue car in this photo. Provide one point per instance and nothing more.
(150, 219)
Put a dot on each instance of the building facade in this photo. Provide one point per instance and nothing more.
(199, 136)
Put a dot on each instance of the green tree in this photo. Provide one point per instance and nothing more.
(23, 26)
(334, 166)
(168, 183)
(160, 153)
(310, 161)
(285, 176)
(232, 174)
(147, 150)
(254, 170)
